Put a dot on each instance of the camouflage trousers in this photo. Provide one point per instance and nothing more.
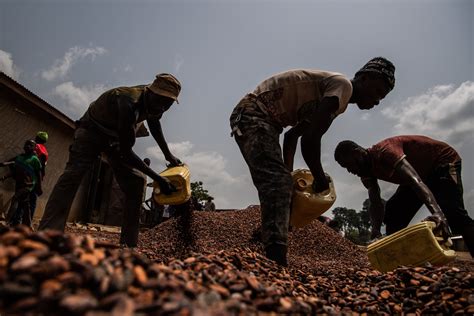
(87, 146)
(259, 142)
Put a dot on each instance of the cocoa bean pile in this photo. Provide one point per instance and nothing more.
(311, 248)
(55, 273)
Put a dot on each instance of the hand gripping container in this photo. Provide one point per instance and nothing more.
(413, 245)
(307, 205)
(180, 177)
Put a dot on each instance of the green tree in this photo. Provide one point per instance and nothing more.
(355, 225)
(198, 192)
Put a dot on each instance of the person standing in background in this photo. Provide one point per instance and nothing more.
(42, 154)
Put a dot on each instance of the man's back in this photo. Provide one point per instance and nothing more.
(104, 110)
(423, 153)
(284, 94)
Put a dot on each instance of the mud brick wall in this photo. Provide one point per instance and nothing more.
(20, 119)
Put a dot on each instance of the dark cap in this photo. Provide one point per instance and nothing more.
(381, 66)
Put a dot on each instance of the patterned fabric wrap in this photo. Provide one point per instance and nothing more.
(381, 66)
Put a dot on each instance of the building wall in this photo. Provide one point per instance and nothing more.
(19, 121)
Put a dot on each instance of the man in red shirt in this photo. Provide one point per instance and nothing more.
(41, 151)
(428, 172)
(42, 154)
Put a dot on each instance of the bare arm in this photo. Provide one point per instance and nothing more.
(157, 133)
(321, 119)
(127, 140)
(376, 207)
(406, 171)
(290, 141)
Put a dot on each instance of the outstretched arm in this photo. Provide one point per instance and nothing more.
(321, 119)
(290, 141)
(127, 140)
(376, 207)
(406, 171)
(157, 133)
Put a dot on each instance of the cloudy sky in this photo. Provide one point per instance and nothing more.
(68, 52)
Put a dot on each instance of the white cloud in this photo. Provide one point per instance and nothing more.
(469, 200)
(61, 67)
(365, 116)
(210, 168)
(77, 98)
(7, 65)
(178, 62)
(126, 68)
(443, 112)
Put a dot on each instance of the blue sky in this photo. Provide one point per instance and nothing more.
(68, 52)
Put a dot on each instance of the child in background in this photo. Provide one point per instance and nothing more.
(26, 170)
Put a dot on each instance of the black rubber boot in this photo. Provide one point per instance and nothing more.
(277, 253)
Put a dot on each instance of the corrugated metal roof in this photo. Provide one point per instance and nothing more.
(35, 100)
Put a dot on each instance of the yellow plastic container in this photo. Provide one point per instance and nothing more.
(307, 205)
(414, 245)
(180, 177)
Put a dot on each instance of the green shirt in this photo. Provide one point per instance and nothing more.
(27, 169)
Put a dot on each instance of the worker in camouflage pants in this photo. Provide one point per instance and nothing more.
(259, 144)
(308, 100)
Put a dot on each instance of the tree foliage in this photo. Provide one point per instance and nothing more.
(354, 224)
(198, 192)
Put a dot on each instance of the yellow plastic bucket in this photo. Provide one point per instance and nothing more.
(307, 205)
(413, 245)
(180, 177)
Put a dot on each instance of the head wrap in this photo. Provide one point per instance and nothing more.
(381, 66)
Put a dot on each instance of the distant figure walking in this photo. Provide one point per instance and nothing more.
(209, 205)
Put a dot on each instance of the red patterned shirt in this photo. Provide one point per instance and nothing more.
(41, 153)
